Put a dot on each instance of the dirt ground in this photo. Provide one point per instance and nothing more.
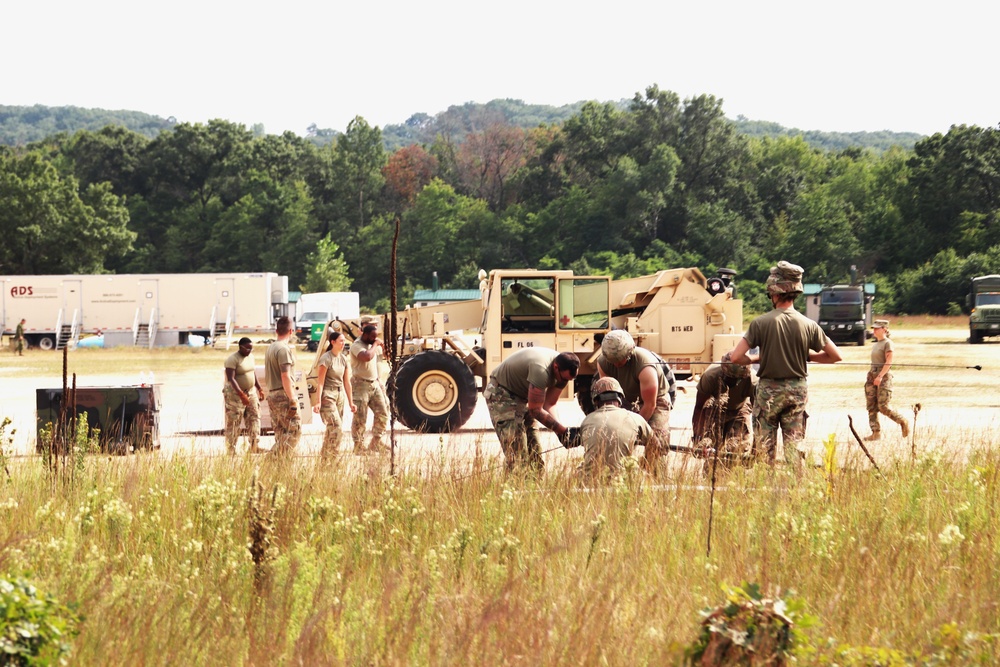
(959, 405)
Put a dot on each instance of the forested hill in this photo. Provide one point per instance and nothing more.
(23, 125)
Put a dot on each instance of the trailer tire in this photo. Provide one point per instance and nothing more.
(46, 343)
(435, 392)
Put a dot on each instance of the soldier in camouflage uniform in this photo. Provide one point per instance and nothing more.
(368, 391)
(648, 385)
(878, 384)
(242, 394)
(279, 376)
(788, 341)
(521, 390)
(723, 407)
(334, 380)
(610, 433)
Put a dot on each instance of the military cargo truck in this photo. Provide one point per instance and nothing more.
(844, 312)
(983, 301)
(687, 319)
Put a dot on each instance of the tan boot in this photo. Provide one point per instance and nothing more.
(905, 426)
(876, 435)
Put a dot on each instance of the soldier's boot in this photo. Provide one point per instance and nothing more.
(876, 435)
(905, 427)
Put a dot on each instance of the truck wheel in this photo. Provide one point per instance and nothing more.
(435, 392)
(975, 336)
(861, 338)
(46, 343)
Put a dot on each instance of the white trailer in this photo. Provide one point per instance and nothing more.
(152, 310)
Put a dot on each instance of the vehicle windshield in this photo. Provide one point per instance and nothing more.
(988, 299)
(313, 317)
(838, 297)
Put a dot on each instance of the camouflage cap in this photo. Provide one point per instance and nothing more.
(617, 346)
(733, 370)
(606, 385)
(785, 278)
(880, 324)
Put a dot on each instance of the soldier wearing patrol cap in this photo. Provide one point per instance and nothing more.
(610, 433)
(788, 341)
(648, 386)
(878, 384)
(723, 407)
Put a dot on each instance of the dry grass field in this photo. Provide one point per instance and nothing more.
(186, 556)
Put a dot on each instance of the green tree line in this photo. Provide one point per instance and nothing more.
(623, 189)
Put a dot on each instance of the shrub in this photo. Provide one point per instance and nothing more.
(34, 630)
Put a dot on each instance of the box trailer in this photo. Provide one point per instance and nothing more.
(151, 310)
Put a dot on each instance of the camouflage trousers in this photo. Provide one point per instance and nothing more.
(780, 404)
(287, 429)
(728, 430)
(331, 410)
(239, 416)
(516, 429)
(368, 395)
(877, 400)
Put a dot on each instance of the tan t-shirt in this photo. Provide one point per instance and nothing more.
(364, 370)
(784, 337)
(879, 350)
(335, 367)
(628, 375)
(278, 354)
(530, 367)
(609, 434)
(244, 368)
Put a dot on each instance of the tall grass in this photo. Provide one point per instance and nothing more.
(213, 561)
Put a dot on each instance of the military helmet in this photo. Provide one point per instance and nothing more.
(603, 388)
(785, 278)
(617, 346)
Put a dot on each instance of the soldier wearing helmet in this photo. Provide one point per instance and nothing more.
(723, 407)
(647, 384)
(610, 433)
(788, 341)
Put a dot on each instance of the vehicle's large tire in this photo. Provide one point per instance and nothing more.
(861, 338)
(46, 343)
(975, 336)
(435, 392)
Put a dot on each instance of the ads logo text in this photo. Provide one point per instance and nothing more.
(21, 291)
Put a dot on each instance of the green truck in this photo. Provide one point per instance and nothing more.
(983, 302)
(844, 312)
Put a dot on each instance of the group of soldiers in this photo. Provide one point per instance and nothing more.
(737, 412)
(352, 382)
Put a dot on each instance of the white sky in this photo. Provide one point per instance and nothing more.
(845, 66)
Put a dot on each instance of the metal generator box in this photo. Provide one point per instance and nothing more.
(124, 418)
